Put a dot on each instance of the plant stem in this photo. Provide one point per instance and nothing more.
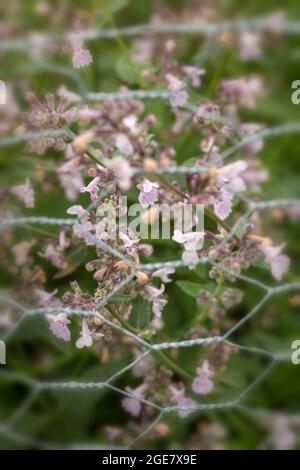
(166, 359)
(123, 322)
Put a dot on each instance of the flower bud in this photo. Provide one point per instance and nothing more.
(81, 142)
(141, 277)
(122, 265)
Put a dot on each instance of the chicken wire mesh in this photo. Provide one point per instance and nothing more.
(33, 46)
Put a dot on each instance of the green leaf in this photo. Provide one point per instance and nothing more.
(118, 298)
(128, 72)
(201, 271)
(141, 312)
(190, 288)
(111, 5)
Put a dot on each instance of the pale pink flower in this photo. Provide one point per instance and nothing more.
(174, 83)
(144, 49)
(85, 340)
(131, 123)
(194, 74)
(284, 437)
(178, 396)
(25, 193)
(178, 94)
(70, 177)
(59, 325)
(145, 249)
(113, 432)
(253, 128)
(231, 175)
(21, 252)
(48, 299)
(68, 95)
(92, 188)
(78, 210)
(86, 232)
(143, 367)
(129, 242)
(63, 242)
(148, 194)
(178, 98)
(181, 119)
(6, 320)
(223, 204)
(203, 384)
(123, 144)
(229, 182)
(278, 262)
(190, 258)
(153, 294)
(163, 274)
(122, 170)
(54, 256)
(206, 112)
(242, 91)
(81, 56)
(250, 45)
(192, 240)
(134, 405)
(157, 306)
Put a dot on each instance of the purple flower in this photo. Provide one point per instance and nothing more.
(202, 384)
(148, 194)
(58, 325)
(25, 193)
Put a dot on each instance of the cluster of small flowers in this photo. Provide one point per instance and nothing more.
(114, 151)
